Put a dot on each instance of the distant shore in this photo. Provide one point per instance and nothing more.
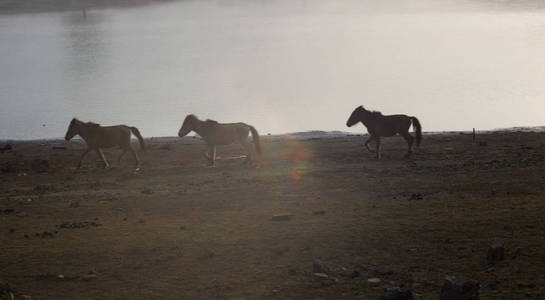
(36, 6)
(320, 134)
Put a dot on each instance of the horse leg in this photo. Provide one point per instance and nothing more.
(210, 155)
(249, 157)
(82, 156)
(136, 158)
(213, 158)
(101, 154)
(409, 138)
(378, 147)
(124, 150)
(367, 144)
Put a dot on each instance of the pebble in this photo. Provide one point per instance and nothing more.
(373, 281)
(496, 253)
(282, 217)
(384, 270)
(88, 277)
(319, 267)
(459, 289)
(397, 293)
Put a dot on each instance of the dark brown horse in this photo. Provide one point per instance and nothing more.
(98, 137)
(379, 125)
(216, 134)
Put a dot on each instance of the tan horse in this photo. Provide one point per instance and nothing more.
(379, 125)
(217, 134)
(98, 137)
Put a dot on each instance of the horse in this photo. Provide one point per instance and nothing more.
(97, 137)
(217, 134)
(379, 125)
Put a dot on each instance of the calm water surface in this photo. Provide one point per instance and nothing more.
(283, 66)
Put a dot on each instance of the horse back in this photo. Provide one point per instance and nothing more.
(389, 125)
(110, 136)
(227, 133)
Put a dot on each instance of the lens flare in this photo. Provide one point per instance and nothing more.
(298, 155)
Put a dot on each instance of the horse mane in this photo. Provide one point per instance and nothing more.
(93, 124)
(212, 121)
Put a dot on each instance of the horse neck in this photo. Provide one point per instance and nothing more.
(198, 127)
(84, 131)
(366, 119)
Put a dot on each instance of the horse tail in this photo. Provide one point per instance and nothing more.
(255, 137)
(136, 133)
(417, 129)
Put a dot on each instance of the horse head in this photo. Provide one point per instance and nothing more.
(188, 125)
(73, 129)
(356, 116)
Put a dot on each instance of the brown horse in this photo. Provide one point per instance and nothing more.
(217, 134)
(98, 137)
(379, 125)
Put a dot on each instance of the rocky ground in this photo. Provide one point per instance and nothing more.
(320, 219)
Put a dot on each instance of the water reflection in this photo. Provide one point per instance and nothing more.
(281, 65)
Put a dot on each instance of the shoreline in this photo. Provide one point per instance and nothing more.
(14, 7)
(314, 134)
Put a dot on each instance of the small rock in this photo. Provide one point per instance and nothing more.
(397, 293)
(40, 165)
(459, 289)
(373, 281)
(21, 214)
(329, 282)
(320, 276)
(60, 276)
(5, 291)
(340, 271)
(517, 252)
(384, 270)
(319, 267)
(496, 253)
(416, 196)
(282, 217)
(528, 285)
(354, 274)
(88, 277)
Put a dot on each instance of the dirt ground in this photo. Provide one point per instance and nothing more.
(179, 230)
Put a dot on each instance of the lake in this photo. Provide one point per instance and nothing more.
(282, 66)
